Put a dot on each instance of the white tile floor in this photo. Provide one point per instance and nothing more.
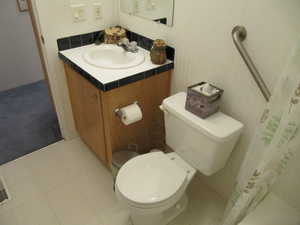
(65, 184)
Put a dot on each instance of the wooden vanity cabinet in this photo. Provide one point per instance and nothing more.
(87, 112)
(98, 126)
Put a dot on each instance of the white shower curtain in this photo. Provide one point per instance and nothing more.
(276, 139)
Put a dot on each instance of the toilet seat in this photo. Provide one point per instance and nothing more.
(151, 180)
(161, 206)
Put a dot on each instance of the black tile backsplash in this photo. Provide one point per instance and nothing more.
(64, 44)
(76, 41)
(147, 43)
(142, 41)
(99, 36)
(170, 53)
(96, 34)
(89, 38)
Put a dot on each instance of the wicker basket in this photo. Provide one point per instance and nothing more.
(113, 35)
(202, 105)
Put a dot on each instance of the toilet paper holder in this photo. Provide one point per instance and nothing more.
(119, 113)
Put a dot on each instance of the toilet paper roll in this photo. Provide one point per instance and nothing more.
(131, 114)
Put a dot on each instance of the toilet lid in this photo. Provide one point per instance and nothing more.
(150, 178)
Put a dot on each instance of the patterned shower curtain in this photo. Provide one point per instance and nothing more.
(275, 141)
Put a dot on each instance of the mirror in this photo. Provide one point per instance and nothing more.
(159, 11)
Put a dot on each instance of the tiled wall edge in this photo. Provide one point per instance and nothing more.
(77, 40)
(118, 83)
(82, 72)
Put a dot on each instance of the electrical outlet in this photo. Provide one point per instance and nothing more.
(97, 11)
(78, 12)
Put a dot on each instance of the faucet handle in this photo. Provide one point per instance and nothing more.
(124, 41)
(133, 46)
(133, 43)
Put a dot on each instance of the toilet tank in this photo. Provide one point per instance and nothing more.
(205, 144)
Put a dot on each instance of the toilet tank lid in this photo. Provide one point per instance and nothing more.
(218, 126)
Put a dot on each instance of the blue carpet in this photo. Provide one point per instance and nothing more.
(28, 121)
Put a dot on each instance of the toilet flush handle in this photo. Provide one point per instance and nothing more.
(163, 109)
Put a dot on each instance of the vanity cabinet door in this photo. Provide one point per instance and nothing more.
(75, 86)
(87, 112)
(93, 133)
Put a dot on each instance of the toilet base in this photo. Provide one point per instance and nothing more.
(162, 218)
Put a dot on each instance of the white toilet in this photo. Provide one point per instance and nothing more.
(152, 186)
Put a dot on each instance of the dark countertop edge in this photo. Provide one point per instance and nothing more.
(118, 83)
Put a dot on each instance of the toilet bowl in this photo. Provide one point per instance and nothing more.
(152, 186)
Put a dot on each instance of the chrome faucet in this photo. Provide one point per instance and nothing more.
(128, 46)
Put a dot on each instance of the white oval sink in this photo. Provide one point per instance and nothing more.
(112, 57)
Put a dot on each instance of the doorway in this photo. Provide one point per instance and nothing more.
(28, 120)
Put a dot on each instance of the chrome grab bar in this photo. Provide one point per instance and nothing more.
(239, 34)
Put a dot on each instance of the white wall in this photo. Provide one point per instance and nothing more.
(19, 60)
(56, 21)
(150, 9)
(204, 51)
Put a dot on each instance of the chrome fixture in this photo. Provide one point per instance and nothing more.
(239, 34)
(128, 46)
